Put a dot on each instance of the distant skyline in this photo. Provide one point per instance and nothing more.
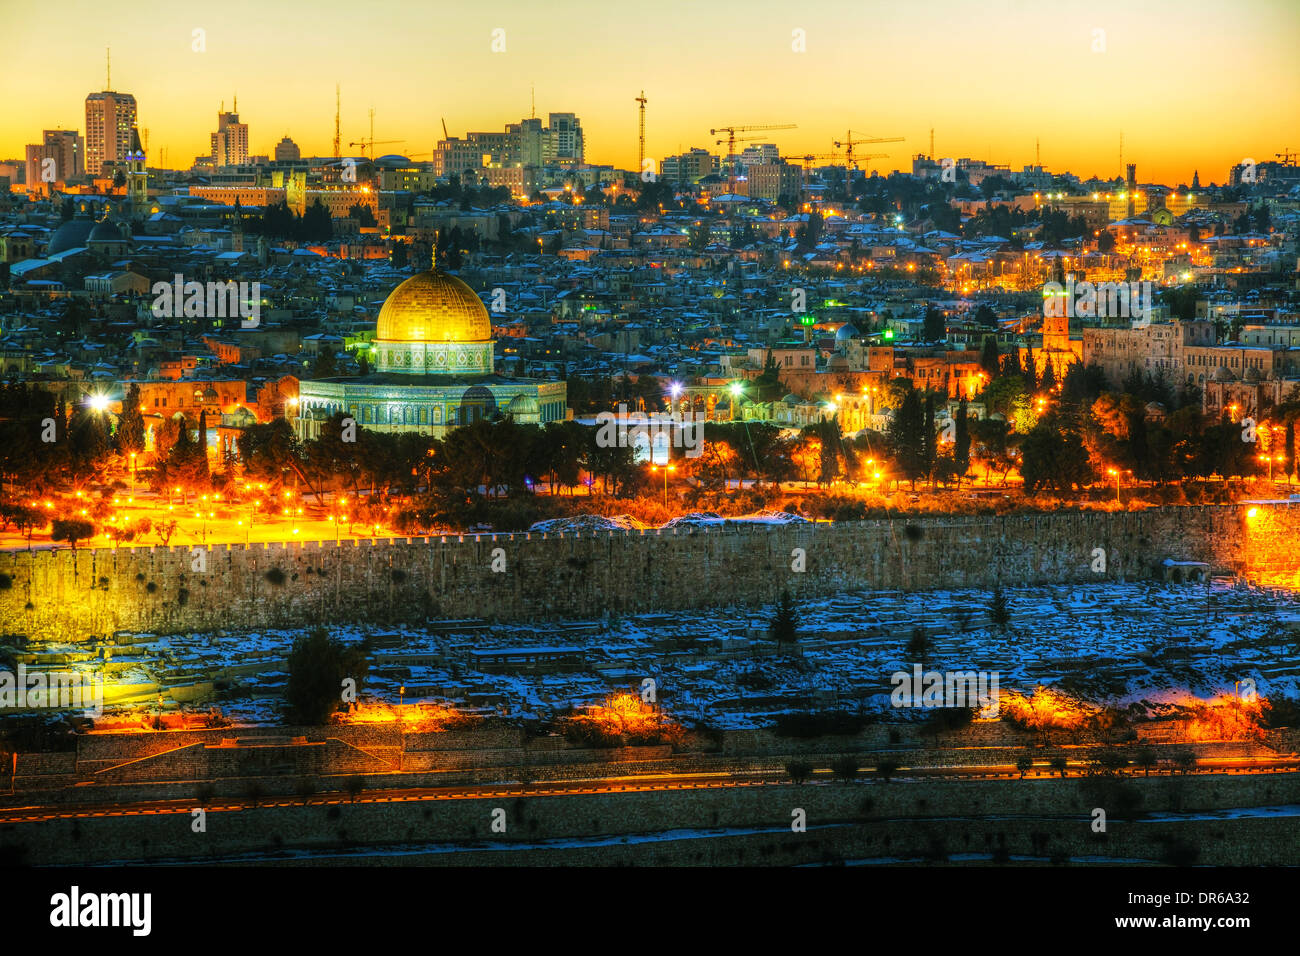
(1191, 85)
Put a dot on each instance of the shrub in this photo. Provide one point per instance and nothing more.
(354, 786)
(845, 768)
(318, 665)
(799, 770)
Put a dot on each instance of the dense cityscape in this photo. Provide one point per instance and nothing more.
(524, 502)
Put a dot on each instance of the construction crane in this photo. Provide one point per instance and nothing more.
(1288, 158)
(372, 143)
(731, 132)
(849, 142)
(865, 159)
(808, 158)
(640, 156)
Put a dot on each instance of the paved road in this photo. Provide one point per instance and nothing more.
(627, 784)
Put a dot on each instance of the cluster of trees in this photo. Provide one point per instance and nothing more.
(47, 445)
(469, 197)
(914, 441)
(1147, 428)
(281, 222)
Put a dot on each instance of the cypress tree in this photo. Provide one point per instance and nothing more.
(961, 442)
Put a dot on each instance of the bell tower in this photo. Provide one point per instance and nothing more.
(137, 177)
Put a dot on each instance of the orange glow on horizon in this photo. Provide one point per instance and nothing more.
(985, 107)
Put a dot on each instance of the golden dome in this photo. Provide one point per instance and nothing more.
(433, 307)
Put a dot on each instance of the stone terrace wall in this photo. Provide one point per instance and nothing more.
(69, 595)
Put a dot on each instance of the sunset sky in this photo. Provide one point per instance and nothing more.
(1191, 85)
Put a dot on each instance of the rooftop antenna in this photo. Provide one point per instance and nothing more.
(108, 68)
(336, 121)
(236, 107)
(1121, 150)
(533, 113)
(1038, 154)
(931, 144)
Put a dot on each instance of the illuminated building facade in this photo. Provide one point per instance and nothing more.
(110, 118)
(433, 352)
(230, 141)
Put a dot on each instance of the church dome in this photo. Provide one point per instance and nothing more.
(105, 231)
(433, 307)
(70, 235)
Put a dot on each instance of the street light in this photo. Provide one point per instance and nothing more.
(667, 469)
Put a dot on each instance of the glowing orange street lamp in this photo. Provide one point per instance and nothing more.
(666, 470)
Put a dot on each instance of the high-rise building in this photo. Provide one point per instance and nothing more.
(455, 156)
(759, 154)
(110, 118)
(564, 139)
(775, 181)
(689, 167)
(230, 141)
(287, 151)
(527, 143)
(65, 147)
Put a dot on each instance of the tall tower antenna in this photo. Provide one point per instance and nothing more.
(532, 113)
(336, 121)
(1038, 154)
(1121, 149)
(640, 157)
(931, 144)
(108, 68)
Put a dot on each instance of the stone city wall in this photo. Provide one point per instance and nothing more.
(70, 595)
